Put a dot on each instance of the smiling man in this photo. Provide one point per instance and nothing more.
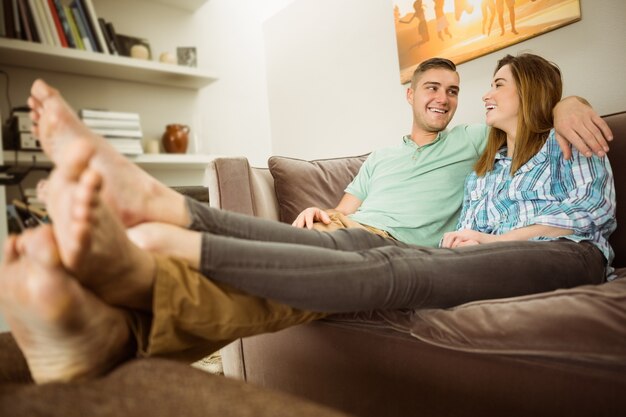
(413, 192)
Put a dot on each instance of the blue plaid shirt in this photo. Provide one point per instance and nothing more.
(578, 194)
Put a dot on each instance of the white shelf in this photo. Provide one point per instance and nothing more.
(190, 5)
(147, 161)
(170, 169)
(33, 55)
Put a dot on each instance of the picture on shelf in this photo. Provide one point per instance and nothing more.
(187, 56)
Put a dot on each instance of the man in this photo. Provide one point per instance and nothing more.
(413, 192)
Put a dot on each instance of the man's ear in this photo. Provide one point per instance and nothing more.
(409, 95)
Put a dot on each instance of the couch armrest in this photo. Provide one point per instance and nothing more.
(235, 186)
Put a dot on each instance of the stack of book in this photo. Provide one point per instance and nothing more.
(66, 23)
(121, 129)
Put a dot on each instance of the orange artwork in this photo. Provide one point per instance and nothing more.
(461, 30)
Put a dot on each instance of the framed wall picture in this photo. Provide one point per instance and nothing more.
(461, 30)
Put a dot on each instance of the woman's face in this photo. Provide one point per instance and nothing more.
(502, 102)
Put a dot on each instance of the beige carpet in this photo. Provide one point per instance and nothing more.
(211, 364)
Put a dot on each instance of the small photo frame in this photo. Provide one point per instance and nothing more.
(187, 56)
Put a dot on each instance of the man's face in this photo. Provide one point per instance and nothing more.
(434, 99)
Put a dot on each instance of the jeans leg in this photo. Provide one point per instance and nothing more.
(390, 277)
(226, 223)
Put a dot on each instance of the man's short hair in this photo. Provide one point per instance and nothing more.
(429, 64)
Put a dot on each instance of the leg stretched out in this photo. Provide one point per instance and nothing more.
(391, 277)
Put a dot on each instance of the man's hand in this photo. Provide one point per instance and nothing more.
(576, 123)
(310, 216)
(466, 237)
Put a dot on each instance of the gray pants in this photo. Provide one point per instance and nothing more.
(354, 270)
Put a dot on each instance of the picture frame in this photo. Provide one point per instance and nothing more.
(462, 30)
(187, 56)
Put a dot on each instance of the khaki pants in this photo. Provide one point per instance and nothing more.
(194, 316)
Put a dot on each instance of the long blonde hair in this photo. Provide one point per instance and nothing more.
(539, 87)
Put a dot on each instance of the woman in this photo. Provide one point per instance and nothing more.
(522, 190)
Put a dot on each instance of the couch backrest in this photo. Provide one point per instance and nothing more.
(617, 156)
(234, 185)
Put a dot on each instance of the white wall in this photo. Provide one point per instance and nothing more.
(333, 76)
(233, 112)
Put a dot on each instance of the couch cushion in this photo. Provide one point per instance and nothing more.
(300, 184)
(586, 323)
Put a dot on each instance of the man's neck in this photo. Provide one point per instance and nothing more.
(423, 138)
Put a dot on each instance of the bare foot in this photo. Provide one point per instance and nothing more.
(131, 192)
(167, 239)
(64, 331)
(91, 240)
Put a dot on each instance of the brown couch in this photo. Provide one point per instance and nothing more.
(558, 353)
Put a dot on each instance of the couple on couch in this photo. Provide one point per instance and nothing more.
(85, 294)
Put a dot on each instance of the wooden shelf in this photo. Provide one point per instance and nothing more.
(32, 55)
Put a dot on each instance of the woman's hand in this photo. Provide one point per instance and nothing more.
(466, 237)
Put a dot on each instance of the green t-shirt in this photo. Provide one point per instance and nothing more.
(415, 193)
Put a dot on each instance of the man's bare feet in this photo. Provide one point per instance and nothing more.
(133, 194)
(64, 331)
(91, 240)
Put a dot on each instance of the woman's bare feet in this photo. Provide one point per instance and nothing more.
(167, 239)
(91, 240)
(133, 194)
(64, 331)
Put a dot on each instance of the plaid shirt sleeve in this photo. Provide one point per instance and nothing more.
(589, 203)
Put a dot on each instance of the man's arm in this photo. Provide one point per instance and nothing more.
(348, 205)
(576, 123)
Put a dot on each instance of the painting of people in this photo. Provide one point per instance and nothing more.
(461, 30)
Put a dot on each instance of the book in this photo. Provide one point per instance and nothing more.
(49, 22)
(92, 18)
(118, 133)
(57, 23)
(80, 24)
(26, 26)
(3, 29)
(73, 28)
(126, 146)
(86, 24)
(113, 35)
(107, 36)
(9, 23)
(65, 24)
(106, 114)
(19, 31)
(39, 24)
(112, 123)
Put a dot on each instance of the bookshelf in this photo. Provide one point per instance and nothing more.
(32, 55)
(171, 169)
